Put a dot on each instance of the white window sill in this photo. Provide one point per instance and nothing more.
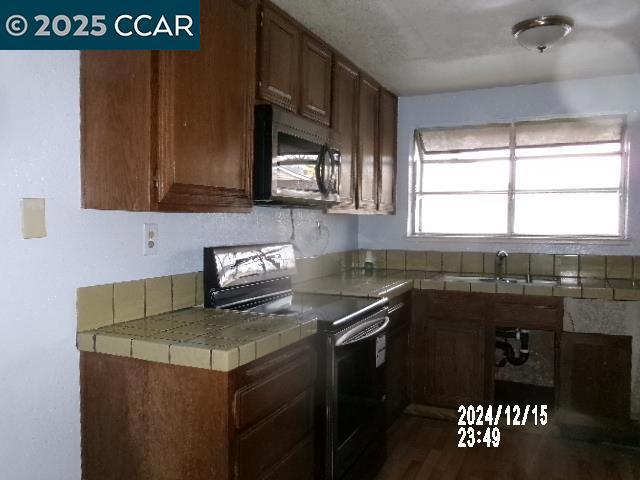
(520, 239)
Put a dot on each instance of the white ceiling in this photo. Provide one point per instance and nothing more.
(426, 46)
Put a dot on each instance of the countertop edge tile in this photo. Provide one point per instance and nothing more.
(225, 360)
(152, 350)
(189, 355)
(113, 344)
(86, 341)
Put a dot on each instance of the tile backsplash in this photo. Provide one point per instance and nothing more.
(102, 305)
(584, 266)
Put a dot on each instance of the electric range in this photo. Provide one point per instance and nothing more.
(351, 347)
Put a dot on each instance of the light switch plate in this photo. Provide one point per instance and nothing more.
(34, 223)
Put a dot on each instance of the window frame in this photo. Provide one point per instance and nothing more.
(417, 160)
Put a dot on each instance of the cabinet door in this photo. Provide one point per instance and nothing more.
(345, 127)
(368, 144)
(116, 104)
(266, 445)
(388, 142)
(595, 379)
(298, 465)
(455, 363)
(279, 80)
(316, 80)
(206, 113)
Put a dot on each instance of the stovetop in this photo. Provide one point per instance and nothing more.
(331, 311)
(257, 279)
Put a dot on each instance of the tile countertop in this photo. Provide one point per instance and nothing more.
(223, 340)
(381, 283)
(213, 339)
(393, 282)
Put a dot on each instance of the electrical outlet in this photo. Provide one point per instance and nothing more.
(150, 239)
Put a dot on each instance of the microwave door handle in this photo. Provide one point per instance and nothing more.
(321, 171)
(336, 160)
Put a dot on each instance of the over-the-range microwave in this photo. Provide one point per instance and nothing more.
(296, 162)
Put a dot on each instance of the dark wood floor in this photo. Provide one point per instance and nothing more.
(425, 449)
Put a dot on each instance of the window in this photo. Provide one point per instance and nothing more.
(554, 178)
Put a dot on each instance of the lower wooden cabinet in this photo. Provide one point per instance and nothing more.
(397, 357)
(453, 341)
(272, 440)
(456, 363)
(146, 420)
(595, 380)
(449, 351)
(297, 465)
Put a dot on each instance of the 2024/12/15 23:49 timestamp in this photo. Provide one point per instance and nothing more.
(472, 419)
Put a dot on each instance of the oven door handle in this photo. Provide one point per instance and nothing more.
(361, 332)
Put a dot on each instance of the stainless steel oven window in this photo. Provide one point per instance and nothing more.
(552, 144)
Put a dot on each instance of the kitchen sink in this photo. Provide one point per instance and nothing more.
(506, 279)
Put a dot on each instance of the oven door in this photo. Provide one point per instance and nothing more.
(357, 417)
(303, 168)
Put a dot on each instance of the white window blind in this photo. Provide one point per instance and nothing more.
(554, 178)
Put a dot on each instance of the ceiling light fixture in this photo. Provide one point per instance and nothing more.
(541, 32)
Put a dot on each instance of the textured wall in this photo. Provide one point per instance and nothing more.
(40, 157)
(612, 95)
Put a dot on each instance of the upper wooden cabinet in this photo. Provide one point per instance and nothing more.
(345, 127)
(316, 80)
(279, 71)
(295, 68)
(173, 131)
(387, 152)
(369, 97)
(205, 112)
(299, 72)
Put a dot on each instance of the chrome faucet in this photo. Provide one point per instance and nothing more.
(500, 264)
